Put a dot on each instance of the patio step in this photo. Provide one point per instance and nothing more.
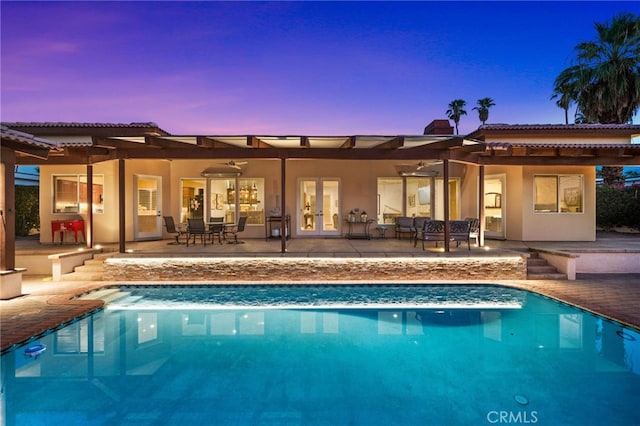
(539, 269)
(91, 270)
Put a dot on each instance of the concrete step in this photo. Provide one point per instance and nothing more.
(547, 276)
(92, 267)
(536, 261)
(83, 276)
(539, 269)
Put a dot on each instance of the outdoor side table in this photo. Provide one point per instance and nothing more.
(382, 230)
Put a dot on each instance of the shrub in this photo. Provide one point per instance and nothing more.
(618, 206)
(27, 209)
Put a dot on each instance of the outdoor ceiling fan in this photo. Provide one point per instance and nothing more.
(235, 164)
(419, 166)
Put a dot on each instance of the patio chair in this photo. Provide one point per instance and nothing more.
(234, 230)
(196, 227)
(404, 225)
(474, 229)
(433, 230)
(459, 232)
(418, 225)
(170, 224)
(216, 228)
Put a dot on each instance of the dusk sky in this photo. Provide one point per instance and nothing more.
(315, 68)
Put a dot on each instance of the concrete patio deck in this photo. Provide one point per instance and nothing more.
(46, 304)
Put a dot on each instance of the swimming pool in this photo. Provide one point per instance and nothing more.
(328, 355)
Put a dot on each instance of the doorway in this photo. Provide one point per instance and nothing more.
(319, 207)
(494, 206)
(147, 213)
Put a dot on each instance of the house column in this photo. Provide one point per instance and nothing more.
(121, 207)
(283, 204)
(7, 212)
(447, 233)
(89, 227)
(481, 206)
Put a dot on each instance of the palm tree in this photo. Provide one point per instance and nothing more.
(483, 108)
(564, 101)
(456, 110)
(604, 80)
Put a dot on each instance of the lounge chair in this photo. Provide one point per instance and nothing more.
(170, 224)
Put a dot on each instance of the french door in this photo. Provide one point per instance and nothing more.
(147, 212)
(319, 207)
(494, 206)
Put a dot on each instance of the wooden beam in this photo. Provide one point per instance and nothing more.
(395, 143)
(8, 214)
(254, 142)
(26, 149)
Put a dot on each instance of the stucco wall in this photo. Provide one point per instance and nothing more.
(559, 226)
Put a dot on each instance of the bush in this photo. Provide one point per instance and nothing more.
(618, 206)
(27, 209)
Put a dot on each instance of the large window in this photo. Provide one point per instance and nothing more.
(246, 195)
(558, 193)
(389, 199)
(70, 194)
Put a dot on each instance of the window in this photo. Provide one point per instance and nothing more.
(389, 199)
(246, 194)
(558, 193)
(70, 194)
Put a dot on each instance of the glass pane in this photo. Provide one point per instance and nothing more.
(147, 205)
(65, 194)
(308, 199)
(419, 196)
(571, 194)
(192, 199)
(223, 199)
(251, 197)
(97, 194)
(493, 205)
(330, 205)
(389, 199)
(546, 194)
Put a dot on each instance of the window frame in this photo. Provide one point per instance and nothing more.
(565, 191)
(79, 179)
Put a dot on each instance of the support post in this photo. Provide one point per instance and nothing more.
(447, 236)
(89, 228)
(121, 207)
(481, 217)
(283, 204)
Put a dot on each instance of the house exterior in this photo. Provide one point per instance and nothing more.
(525, 182)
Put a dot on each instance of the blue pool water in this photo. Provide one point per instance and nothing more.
(335, 355)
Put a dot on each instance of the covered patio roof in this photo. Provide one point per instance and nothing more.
(90, 143)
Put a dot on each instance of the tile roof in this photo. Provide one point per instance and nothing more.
(26, 138)
(503, 145)
(559, 128)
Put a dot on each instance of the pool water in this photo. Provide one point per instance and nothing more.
(337, 355)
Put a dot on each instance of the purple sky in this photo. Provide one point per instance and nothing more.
(289, 67)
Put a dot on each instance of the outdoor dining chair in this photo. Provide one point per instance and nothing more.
(234, 230)
(170, 224)
(196, 227)
(216, 228)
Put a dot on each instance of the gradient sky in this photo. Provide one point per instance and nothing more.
(321, 68)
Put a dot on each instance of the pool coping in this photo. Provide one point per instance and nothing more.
(29, 316)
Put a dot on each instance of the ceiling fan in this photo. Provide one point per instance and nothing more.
(235, 164)
(419, 166)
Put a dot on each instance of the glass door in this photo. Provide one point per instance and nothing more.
(494, 206)
(147, 220)
(319, 207)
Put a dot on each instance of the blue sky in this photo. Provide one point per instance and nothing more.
(320, 68)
